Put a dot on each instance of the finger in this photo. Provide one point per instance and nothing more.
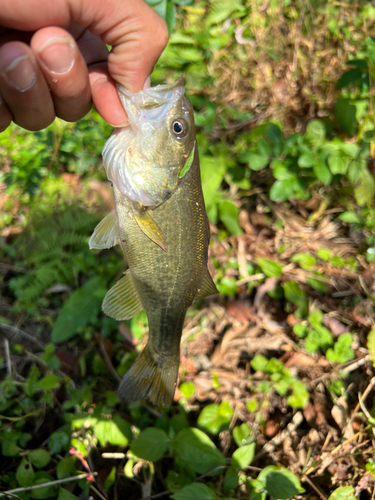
(5, 115)
(136, 33)
(64, 70)
(105, 96)
(24, 88)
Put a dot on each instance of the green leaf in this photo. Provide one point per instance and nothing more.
(281, 190)
(259, 363)
(280, 483)
(215, 418)
(212, 175)
(243, 456)
(371, 345)
(175, 481)
(115, 431)
(25, 474)
(324, 253)
(315, 132)
(42, 477)
(338, 163)
(227, 286)
(305, 260)
(294, 293)
(196, 449)
(66, 467)
(300, 395)
(228, 214)
(349, 77)
(49, 382)
(270, 268)
(345, 114)
(9, 448)
(39, 458)
(110, 479)
(256, 161)
(230, 479)
(341, 352)
(364, 191)
(170, 16)
(322, 173)
(194, 491)
(66, 495)
(306, 160)
(343, 493)
(151, 444)
(274, 133)
(79, 309)
(281, 172)
(349, 217)
(187, 389)
(242, 434)
(300, 330)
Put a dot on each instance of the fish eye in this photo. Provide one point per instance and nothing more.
(179, 128)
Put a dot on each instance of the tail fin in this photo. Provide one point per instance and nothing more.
(150, 379)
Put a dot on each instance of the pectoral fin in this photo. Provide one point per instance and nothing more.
(105, 234)
(207, 287)
(122, 301)
(150, 228)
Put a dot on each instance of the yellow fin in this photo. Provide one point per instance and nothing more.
(207, 287)
(105, 234)
(150, 379)
(150, 228)
(122, 301)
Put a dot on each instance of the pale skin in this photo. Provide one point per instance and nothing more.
(54, 61)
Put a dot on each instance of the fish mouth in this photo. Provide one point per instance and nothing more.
(154, 97)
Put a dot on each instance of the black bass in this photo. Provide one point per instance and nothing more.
(162, 226)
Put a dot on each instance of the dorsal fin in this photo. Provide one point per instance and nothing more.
(122, 301)
(207, 287)
(105, 234)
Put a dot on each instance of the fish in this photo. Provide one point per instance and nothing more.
(161, 223)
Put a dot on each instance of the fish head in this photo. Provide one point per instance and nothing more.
(154, 148)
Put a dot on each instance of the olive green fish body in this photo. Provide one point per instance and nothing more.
(167, 282)
(161, 224)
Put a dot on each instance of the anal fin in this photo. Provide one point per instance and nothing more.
(105, 234)
(122, 301)
(150, 228)
(207, 287)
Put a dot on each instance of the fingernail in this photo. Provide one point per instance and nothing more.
(57, 54)
(147, 83)
(20, 73)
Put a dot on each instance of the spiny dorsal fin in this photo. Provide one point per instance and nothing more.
(150, 228)
(207, 287)
(122, 301)
(105, 234)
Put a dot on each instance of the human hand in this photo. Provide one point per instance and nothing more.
(54, 60)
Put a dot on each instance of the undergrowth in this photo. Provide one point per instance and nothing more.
(276, 378)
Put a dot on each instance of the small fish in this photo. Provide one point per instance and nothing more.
(162, 226)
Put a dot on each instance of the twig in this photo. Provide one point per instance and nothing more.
(7, 357)
(13, 334)
(92, 487)
(278, 439)
(308, 480)
(253, 277)
(44, 485)
(107, 361)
